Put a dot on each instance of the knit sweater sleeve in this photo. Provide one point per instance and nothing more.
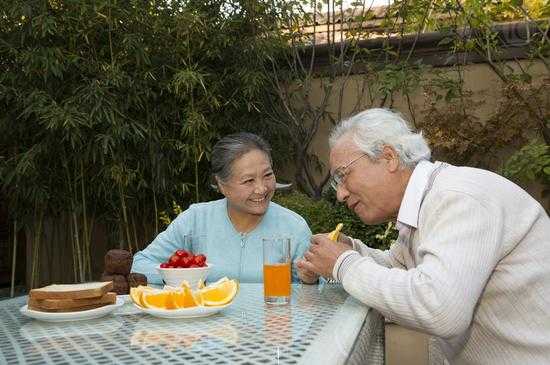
(388, 258)
(459, 244)
(147, 260)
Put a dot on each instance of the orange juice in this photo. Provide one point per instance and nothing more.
(277, 280)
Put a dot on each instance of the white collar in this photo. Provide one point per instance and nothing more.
(410, 205)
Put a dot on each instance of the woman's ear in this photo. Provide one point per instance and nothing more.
(219, 185)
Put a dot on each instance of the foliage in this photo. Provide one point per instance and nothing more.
(109, 109)
(323, 215)
(530, 163)
(314, 80)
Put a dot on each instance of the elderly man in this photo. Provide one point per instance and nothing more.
(471, 265)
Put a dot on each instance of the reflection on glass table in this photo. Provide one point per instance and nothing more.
(321, 324)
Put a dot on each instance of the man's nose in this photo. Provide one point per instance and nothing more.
(342, 193)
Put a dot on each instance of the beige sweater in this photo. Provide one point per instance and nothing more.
(475, 274)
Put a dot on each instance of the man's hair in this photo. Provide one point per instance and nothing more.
(230, 148)
(373, 129)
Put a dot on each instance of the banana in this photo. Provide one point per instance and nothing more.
(333, 236)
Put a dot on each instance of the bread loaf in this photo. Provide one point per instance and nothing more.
(72, 291)
(65, 305)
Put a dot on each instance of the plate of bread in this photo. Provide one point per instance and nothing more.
(71, 302)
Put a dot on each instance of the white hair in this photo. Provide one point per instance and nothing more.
(373, 129)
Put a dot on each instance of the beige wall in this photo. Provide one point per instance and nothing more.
(478, 78)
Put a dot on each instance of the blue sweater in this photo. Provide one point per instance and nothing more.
(232, 254)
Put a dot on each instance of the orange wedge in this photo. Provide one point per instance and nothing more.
(333, 236)
(184, 298)
(162, 300)
(137, 294)
(219, 293)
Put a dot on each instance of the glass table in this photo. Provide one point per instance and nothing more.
(321, 325)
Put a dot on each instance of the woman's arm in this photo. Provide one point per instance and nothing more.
(146, 261)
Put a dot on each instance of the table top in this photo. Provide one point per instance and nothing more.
(320, 325)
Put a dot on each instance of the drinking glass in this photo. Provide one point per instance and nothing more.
(276, 270)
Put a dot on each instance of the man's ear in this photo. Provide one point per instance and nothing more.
(391, 158)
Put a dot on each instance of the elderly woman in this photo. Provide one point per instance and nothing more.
(231, 229)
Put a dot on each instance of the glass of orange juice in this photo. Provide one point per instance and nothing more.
(276, 270)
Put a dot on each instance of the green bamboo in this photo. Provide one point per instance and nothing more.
(125, 217)
(133, 223)
(35, 272)
(156, 213)
(86, 237)
(13, 258)
(74, 198)
(71, 235)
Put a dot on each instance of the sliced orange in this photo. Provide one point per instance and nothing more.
(162, 300)
(197, 296)
(184, 298)
(137, 294)
(185, 284)
(219, 294)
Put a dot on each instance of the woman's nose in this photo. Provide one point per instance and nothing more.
(260, 187)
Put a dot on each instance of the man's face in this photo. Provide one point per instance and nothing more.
(371, 189)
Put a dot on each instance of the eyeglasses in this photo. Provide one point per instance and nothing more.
(340, 173)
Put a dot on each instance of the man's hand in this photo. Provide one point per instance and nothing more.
(305, 275)
(322, 254)
(342, 238)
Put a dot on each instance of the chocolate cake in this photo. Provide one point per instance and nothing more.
(135, 279)
(120, 283)
(118, 262)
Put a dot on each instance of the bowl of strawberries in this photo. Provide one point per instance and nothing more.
(183, 266)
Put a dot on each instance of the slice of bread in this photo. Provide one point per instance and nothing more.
(79, 309)
(70, 304)
(72, 291)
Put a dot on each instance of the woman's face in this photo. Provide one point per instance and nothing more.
(251, 184)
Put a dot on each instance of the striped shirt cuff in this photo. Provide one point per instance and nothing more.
(343, 263)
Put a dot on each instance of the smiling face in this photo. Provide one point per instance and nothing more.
(373, 190)
(251, 184)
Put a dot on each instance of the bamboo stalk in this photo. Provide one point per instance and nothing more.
(86, 238)
(71, 235)
(13, 258)
(76, 232)
(125, 217)
(88, 256)
(156, 213)
(133, 219)
(196, 167)
(35, 273)
(77, 247)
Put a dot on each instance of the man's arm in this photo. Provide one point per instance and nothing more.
(388, 258)
(458, 251)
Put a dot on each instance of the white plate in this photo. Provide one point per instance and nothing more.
(71, 316)
(193, 312)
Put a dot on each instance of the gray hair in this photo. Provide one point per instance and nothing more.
(230, 148)
(373, 129)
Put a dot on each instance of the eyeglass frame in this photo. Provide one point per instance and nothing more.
(339, 174)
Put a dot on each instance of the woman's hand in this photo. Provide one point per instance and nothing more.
(305, 275)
